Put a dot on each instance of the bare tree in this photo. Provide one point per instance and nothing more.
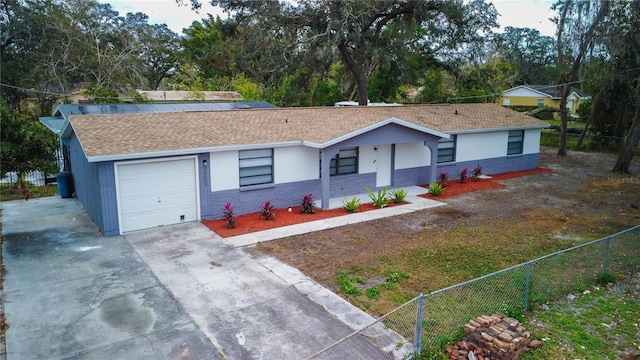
(364, 32)
(577, 24)
(628, 31)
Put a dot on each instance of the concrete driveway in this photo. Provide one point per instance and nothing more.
(69, 292)
(167, 293)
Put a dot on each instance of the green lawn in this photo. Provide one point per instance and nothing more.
(590, 143)
(572, 124)
(600, 323)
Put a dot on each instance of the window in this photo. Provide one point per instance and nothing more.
(515, 142)
(447, 149)
(540, 102)
(345, 162)
(256, 167)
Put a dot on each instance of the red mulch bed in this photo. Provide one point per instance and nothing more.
(253, 222)
(455, 187)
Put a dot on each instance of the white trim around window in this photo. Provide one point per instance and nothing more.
(256, 167)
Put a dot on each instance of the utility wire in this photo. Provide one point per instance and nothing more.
(433, 102)
(539, 88)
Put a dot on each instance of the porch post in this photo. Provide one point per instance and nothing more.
(325, 177)
(434, 163)
(433, 150)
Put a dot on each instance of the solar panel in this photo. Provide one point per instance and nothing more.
(150, 108)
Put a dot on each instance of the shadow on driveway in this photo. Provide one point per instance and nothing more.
(71, 293)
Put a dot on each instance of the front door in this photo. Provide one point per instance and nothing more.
(383, 165)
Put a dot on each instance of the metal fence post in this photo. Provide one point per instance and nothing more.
(527, 282)
(417, 340)
(605, 267)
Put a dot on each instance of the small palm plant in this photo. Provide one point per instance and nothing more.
(380, 198)
(436, 189)
(351, 205)
(398, 195)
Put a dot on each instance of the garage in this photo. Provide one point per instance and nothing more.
(156, 193)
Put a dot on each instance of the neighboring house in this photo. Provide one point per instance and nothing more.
(137, 171)
(369, 103)
(534, 96)
(173, 96)
(167, 96)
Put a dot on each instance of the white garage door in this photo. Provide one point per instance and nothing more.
(158, 193)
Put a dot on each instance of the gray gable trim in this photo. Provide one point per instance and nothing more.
(53, 123)
(375, 126)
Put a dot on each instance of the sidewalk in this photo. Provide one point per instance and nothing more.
(415, 203)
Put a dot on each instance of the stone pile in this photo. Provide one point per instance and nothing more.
(492, 337)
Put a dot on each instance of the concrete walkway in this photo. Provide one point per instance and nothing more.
(415, 203)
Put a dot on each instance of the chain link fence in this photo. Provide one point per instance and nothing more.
(427, 323)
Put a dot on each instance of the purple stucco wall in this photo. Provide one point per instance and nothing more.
(95, 188)
(495, 165)
(290, 194)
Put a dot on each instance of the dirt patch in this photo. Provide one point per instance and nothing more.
(533, 215)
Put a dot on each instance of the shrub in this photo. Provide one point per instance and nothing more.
(308, 205)
(351, 205)
(228, 217)
(346, 285)
(436, 189)
(477, 171)
(395, 276)
(606, 278)
(267, 211)
(380, 198)
(398, 195)
(373, 293)
(443, 178)
(463, 175)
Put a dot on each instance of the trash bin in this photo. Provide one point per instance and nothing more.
(65, 184)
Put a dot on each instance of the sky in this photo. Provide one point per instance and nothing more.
(516, 13)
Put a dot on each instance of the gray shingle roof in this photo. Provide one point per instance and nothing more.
(108, 135)
(553, 91)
